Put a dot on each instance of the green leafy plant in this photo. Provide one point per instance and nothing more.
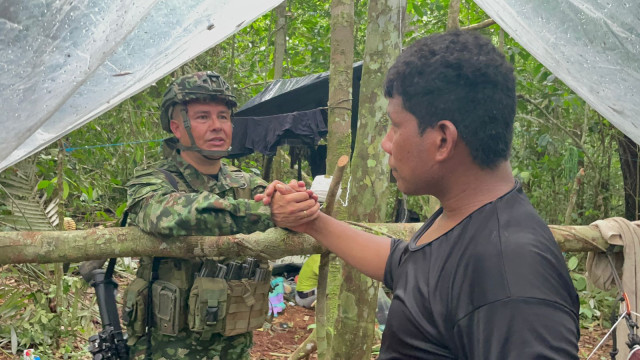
(595, 304)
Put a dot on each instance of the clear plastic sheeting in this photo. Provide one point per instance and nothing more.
(66, 62)
(592, 45)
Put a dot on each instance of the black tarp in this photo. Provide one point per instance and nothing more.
(297, 94)
(285, 96)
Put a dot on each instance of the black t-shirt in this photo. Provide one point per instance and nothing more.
(494, 287)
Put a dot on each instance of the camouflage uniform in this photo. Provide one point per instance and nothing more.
(201, 206)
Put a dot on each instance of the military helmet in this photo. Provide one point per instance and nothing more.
(200, 86)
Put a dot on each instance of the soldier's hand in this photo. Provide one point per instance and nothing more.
(293, 209)
(293, 186)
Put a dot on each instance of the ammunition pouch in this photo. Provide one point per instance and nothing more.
(207, 306)
(168, 307)
(134, 314)
(248, 304)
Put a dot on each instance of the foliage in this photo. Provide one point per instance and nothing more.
(27, 208)
(31, 318)
(596, 305)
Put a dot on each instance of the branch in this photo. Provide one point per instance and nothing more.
(336, 180)
(263, 83)
(74, 246)
(574, 196)
(305, 349)
(559, 126)
(478, 26)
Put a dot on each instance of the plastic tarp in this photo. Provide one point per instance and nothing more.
(65, 62)
(296, 94)
(591, 45)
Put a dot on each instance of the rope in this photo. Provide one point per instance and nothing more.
(606, 336)
(611, 330)
(70, 149)
(345, 204)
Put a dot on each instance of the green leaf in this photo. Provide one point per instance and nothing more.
(43, 184)
(311, 326)
(65, 190)
(121, 209)
(573, 263)
(14, 341)
(579, 282)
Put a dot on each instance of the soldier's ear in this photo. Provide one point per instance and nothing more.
(175, 128)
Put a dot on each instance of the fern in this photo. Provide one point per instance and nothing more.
(29, 209)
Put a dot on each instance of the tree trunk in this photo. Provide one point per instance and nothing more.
(358, 293)
(628, 152)
(17, 247)
(280, 44)
(338, 144)
(280, 40)
(340, 81)
(453, 22)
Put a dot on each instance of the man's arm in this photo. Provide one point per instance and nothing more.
(162, 211)
(366, 252)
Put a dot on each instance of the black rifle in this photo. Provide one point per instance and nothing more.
(109, 343)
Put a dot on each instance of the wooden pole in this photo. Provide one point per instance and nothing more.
(74, 246)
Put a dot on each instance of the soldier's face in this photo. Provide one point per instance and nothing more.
(210, 125)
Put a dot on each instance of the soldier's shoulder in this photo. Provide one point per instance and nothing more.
(250, 179)
(152, 173)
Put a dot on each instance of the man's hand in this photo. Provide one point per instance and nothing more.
(292, 205)
(293, 186)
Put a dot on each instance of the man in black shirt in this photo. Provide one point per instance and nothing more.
(483, 278)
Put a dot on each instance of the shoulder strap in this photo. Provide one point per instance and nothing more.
(170, 178)
(243, 192)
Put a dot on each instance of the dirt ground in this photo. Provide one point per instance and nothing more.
(287, 331)
(291, 328)
(281, 341)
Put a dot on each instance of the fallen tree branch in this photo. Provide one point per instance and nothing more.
(308, 347)
(74, 246)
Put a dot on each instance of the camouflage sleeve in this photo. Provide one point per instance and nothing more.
(158, 209)
(257, 184)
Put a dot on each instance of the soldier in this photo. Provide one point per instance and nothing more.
(193, 193)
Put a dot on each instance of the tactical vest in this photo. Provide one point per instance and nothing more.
(182, 298)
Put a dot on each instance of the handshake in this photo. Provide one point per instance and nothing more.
(293, 206)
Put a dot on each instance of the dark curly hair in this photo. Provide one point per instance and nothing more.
(460, 77)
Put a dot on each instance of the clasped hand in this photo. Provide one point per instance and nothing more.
(292, 205)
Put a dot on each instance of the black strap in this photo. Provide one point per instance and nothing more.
(109, 273)
(155, 264)
(170, 178)
(123, 221)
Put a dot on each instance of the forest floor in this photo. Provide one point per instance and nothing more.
(287, 331)
(291, 328)
(281, 340)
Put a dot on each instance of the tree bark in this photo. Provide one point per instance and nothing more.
(628, 152)
(453, 22)
(478, 26)
(340, 81)
(358, 293)
(280, 40)
(338, 144)
(17, 247)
